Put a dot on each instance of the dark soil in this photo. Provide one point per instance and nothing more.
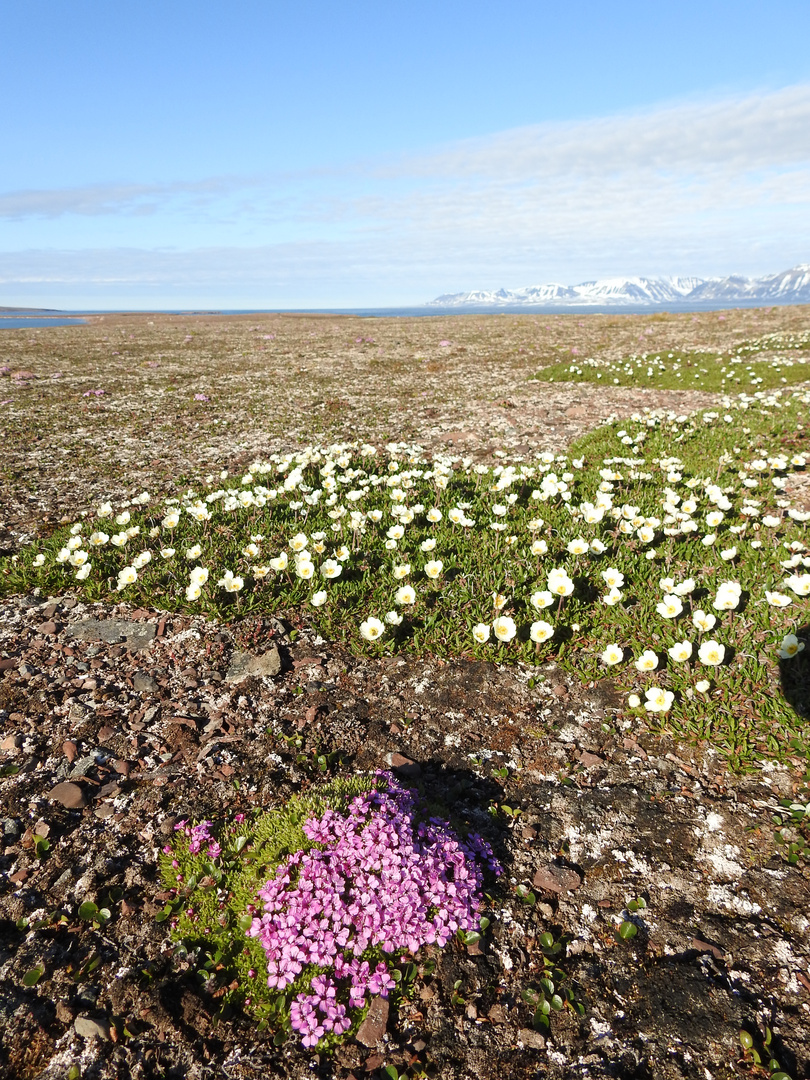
(608, 814)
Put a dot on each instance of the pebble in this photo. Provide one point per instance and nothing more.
(90, 1028)
(48, 628)
(555, 878)
(7, 663)
(143, 683)
(532, 1039)
(403, 765)
(71, 796)
(373, 1027)
(70, 750)
(243, 664)
(11, 742)
(105, 733)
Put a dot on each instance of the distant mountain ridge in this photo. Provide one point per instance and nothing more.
(789, 287)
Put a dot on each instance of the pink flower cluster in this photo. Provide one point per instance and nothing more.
(198, 835)
(379, 878)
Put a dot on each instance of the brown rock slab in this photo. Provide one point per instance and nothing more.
(70, 750)
(71, 796)
(373, 1027)
(49, 627)
(555, 878)
(7, 663)
(402, 764)
(11, 742)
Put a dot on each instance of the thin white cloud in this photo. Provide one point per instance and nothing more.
(696, 187)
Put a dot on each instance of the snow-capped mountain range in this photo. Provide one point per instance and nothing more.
(789, 287)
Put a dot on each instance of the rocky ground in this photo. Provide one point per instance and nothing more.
(114, 723)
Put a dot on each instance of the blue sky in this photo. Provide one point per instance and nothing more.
(374, 154)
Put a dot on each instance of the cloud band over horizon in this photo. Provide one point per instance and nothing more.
(695, 187)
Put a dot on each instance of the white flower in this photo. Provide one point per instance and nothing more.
(539, 547)
(777, 599)
(119, 540)
(104, 510)
(703, 621)
(142, 559)
(396, 532)
(98, 539)
(299, 542)
(375, 516)
(455, 515)
(230, 582)
(578, 546)
(405, 594)
(480, 632)
(790, 646)
(39, 560)
(685, 587)
(83, 572)
(540, 600)
(434, 515)
(648, 661)
(433, 568)
(331, 569)
(670, 607)
(646, 534)
(728, 596)
(193, 552)
(401, 571)
(612, 655)
(559, 583)
(280, 563)
(79, 558)
(702, 686)
(709, 539)
(127, 576)
(428, 545)
(714, 518)
(680, 651)
(541, 631)
(615, 596)
(499, 601)
(498, 510)
(711, 653)
(371, 629)
(728, 554)
(613, 578)
(199, 576)
(167, 553)
(393, 618)
(193, 592)
(318, 599)
(304, 569)
(597, 547)
(633, 701)
(250, 551)
(504, 628)
(658, 700)
(799, 583)
(123, 518)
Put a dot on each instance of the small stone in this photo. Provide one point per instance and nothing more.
(531, 1039)
(7, 663)
(104, 811)
(123, 768)
(105, 733)
(48, 628)
(12, 829)
(497, 1014)
(243, 664)
(403, 765)
(90, 1028)
(470, 1011)
(143, 683)
(50, 610)
(11, 742)
(555, 878)
(69, 603)
(589, 760)
(71, 796)
(27, 671)
(70, 750)
(373, 1027)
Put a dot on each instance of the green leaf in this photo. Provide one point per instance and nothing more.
(32, 977)
(627, 930)
(547, 940)
(88, 910)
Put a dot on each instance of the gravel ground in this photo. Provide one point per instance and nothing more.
(116, 722)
